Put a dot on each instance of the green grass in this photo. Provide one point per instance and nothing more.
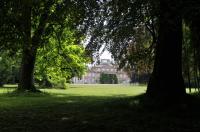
(105, 90)
(91, 108)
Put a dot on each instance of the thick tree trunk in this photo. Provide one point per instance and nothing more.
(26, 80)
(27, 71)
(166, 80)
(32, 40)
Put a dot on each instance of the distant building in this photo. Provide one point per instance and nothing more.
(94, 72)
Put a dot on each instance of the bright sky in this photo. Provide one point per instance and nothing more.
(105, 55)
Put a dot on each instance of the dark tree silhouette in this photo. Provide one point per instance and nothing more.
(166, 80)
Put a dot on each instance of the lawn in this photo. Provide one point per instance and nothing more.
(106, 90)
(91, 108)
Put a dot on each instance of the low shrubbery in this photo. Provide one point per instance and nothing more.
(61, 83)
(51, 83)
(108, 78)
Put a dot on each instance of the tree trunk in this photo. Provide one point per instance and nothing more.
(166, 80)
(27, 71)
(188, 76)
(31, 43)
(26, 80)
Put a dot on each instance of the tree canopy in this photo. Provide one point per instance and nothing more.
(30, 25)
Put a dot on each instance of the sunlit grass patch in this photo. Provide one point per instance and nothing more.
(75, 93)
(100, 90)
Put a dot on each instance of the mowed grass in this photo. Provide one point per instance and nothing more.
(88, 93)
(106, 90)
(91, 108)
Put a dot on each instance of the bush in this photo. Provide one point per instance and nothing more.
(44, 83)
(108, 78)
(60, 83)
(9, 69)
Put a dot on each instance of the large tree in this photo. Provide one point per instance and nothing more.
(32, 36)
(120, 26)
(32, 23)
(166, 79)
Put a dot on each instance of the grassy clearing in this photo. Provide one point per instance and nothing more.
(105, 90)
(91, 108)
(54, 96)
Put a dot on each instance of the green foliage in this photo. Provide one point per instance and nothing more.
(59, 83)
(129, 29)
(10, 36)
(29, 25)
(61, 59)
(139, 57)
(9, 68)
(118, 24)
(108, 78)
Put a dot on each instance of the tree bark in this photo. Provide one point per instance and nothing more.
(166, 80)
(31, 43)
(27, 71)
(26, 80)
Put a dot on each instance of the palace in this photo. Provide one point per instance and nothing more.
(106, 67)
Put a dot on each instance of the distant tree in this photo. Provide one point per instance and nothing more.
(138, 60)
(187, 56)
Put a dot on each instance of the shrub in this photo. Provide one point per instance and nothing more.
(108, 78)
(60, 83)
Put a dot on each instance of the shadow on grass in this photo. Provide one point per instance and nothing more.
(74, 113)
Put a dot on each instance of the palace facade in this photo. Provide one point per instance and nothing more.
(94, 72)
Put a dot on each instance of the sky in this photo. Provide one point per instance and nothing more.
(105, 55)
